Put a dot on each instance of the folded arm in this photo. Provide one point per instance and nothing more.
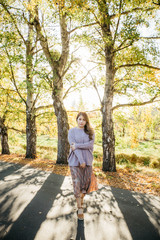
(86, 145)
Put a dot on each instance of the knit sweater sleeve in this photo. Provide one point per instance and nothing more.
(86, 145)
(77, 152)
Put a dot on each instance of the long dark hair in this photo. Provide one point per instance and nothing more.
(87, 128)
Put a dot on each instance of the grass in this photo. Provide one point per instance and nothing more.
(144, 158)
(133, 165)
(46, 146)
(144, 148)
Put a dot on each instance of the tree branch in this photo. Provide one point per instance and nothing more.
(95, 86)
(14, 21)
(13, 111)
(136, 104)
(65, 39)
(17, 130)
(44, 107)
(137, 64)
(43, 40)
(35, 52)
(7, 89)
(49, 81)
(119, 49)
(68, 90)
(94, 110)
(115, 35)
(133, 10)
(35, 100)
(13, 77)
(148, 37)
(72, 61)
(156, 3)
(133, 80)
(99, 63)
(13, 7)
(122, 43)
(86, 25)
(41, 49)
(42, 113)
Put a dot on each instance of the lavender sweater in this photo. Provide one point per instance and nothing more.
(83, 147)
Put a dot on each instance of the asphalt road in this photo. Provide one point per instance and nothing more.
(40, 205)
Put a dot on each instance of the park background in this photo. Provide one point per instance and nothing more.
(28, 77)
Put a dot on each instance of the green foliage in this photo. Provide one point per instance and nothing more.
(55, 55)
(129, 46)
(135, 131)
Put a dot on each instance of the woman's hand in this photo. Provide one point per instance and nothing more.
(83, 165)
(73, 146)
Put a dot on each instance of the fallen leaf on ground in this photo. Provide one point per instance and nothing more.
(123, 178)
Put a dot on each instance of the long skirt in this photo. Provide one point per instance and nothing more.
(83, 180)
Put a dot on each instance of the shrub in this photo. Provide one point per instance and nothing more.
(143, 160)
(123, 161)
(23, 146)
(95, 155)
(134, 158)
(126, 159)
(122, 158)
(155, 163)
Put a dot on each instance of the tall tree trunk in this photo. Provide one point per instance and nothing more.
(4, 138)
(107, 122)
(108, 135)
(58, 68)
(62, 119)
(63, 126)
(31, 132)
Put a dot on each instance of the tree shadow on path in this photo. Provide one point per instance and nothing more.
(8, 168)
(30, 220)
(135, 216)
(120, 214)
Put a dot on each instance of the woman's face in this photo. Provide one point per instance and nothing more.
(81, 121)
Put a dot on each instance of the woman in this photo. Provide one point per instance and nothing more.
(81, 140)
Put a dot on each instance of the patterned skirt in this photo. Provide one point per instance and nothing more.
(83, 180)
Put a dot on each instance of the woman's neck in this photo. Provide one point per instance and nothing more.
(80, 127)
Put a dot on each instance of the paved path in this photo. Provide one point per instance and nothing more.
(39, 205)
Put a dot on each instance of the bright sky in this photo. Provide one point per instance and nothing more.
(89, 95)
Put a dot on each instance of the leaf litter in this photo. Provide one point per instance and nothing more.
(123, 178)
